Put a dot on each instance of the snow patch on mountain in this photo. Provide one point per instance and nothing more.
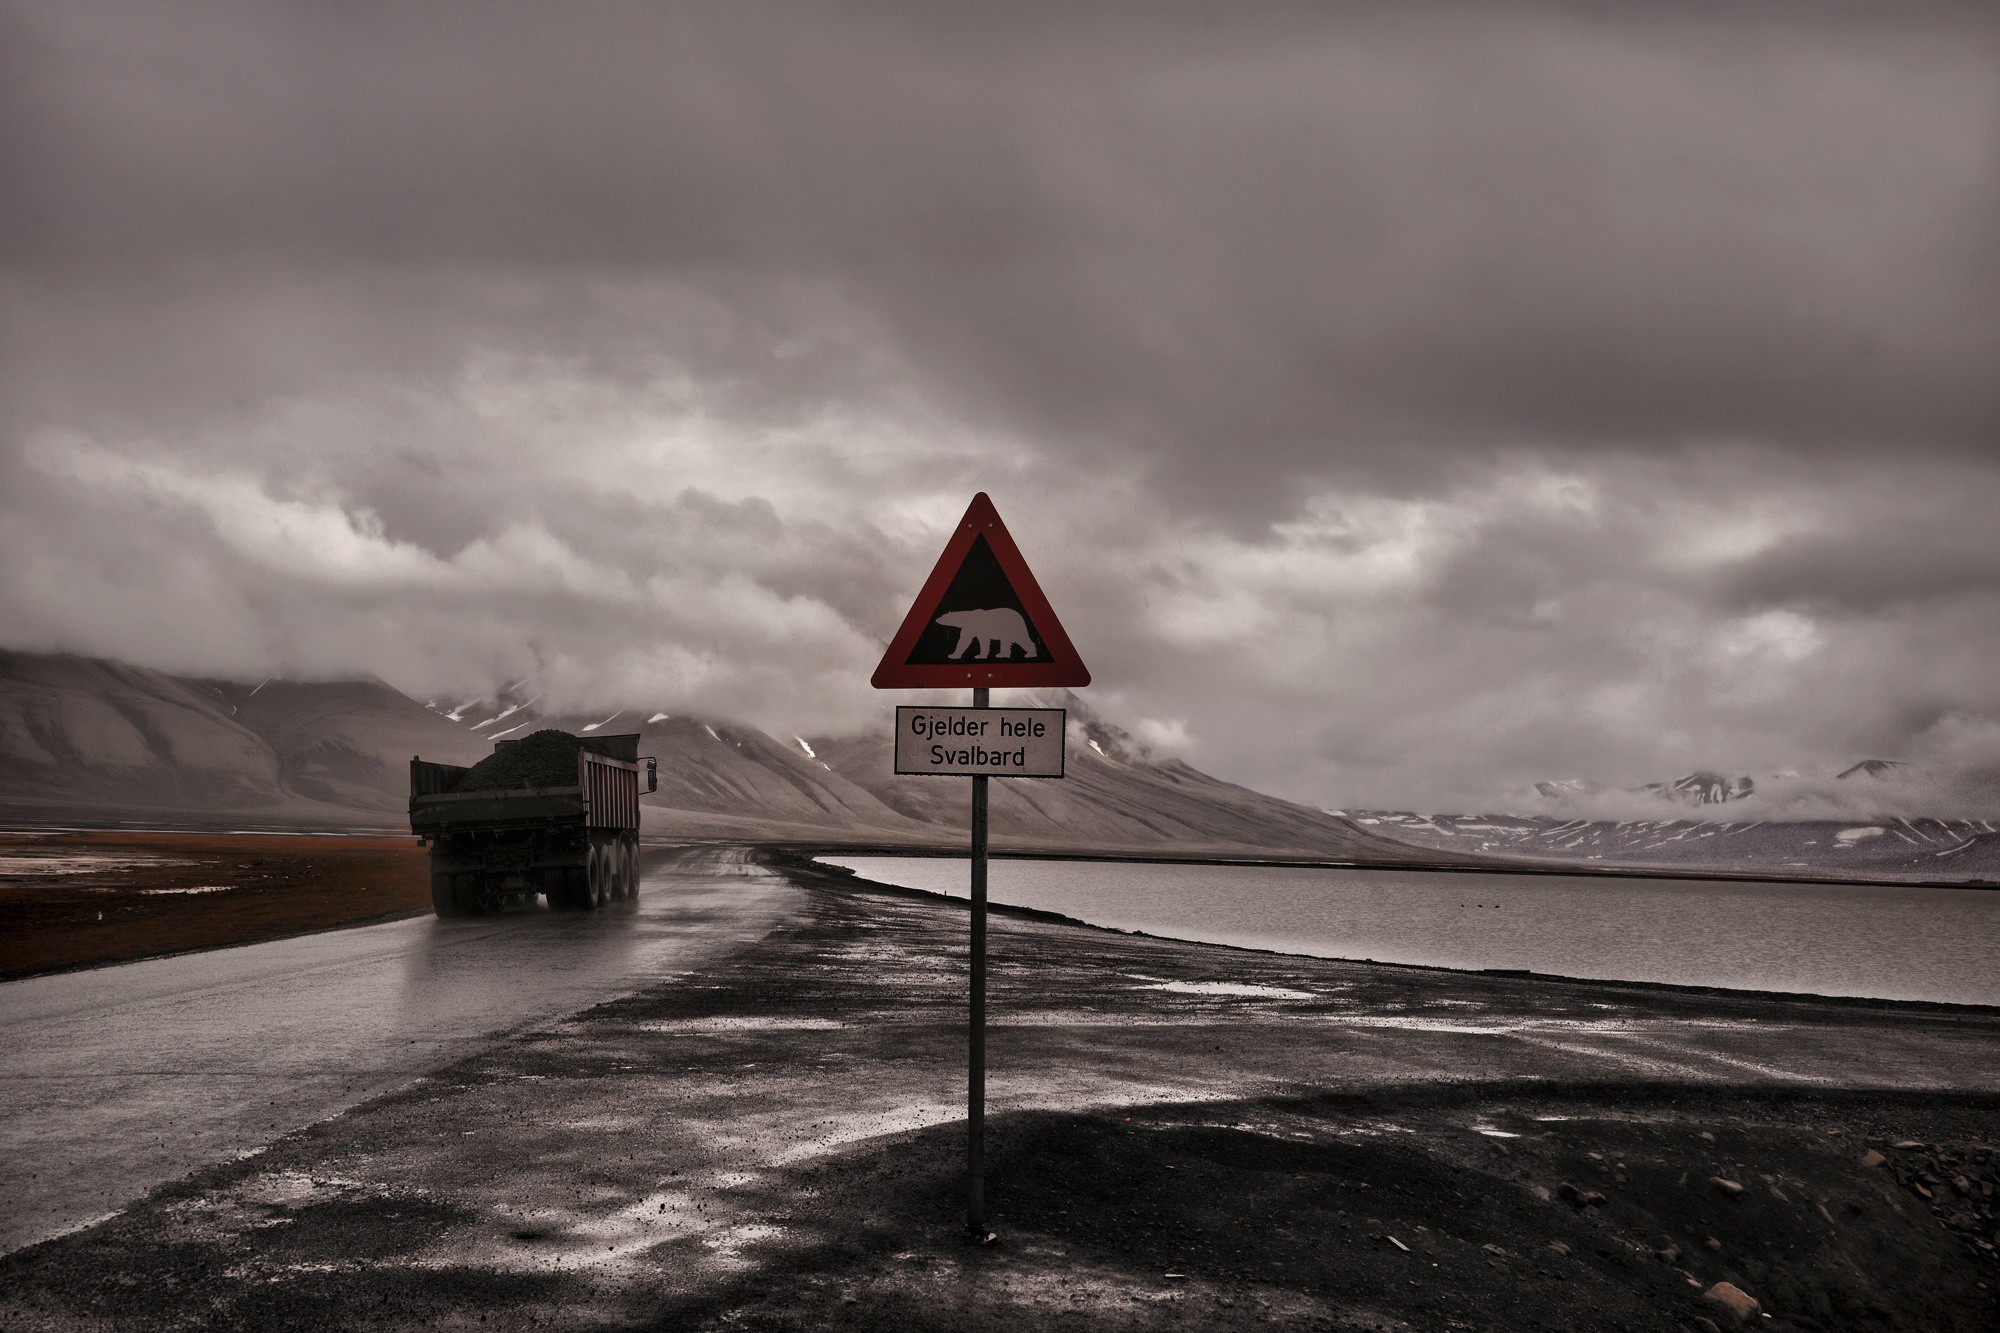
(1870, 791)
(1923, 848)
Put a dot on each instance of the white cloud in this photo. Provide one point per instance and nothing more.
(1163, 735)
(1395, 410)
(1372, 648)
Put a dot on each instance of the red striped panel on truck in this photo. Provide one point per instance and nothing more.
(611, 791)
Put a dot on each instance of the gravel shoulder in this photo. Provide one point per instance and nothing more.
(73, 899)
(1181, 1136)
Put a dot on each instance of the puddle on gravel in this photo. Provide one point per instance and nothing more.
(617, 1241)
(31, 864)
(1231, 988)
(1099, 1018)
(742, 1023)
(1500, 1027)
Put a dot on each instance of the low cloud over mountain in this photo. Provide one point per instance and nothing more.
(1865, 789)
(91, 740)
(1394, 400)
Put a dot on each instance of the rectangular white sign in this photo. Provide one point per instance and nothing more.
(980, 742)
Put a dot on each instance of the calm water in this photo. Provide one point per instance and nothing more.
(1902, 943)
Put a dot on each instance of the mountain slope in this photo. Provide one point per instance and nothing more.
(86, 738)
(739, 772)
(77, 730)
(1116, 796)
(720, 779)
(347, 743)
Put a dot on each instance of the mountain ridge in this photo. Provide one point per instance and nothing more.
(91, 740)
(1923, 849)
(88, 739)
(87, 736)
(1116, 796)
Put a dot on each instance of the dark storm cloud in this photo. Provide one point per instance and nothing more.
(1344, 237)
(1876, 568)
(1408, 400)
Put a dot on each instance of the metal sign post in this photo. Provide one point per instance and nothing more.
(975, 1040)
(980, 620)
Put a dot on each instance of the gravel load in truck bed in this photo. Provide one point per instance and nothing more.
(541, 759)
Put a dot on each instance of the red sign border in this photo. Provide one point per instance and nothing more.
(1061, 667)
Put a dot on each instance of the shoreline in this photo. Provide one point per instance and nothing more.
(412, 901)
(837, 877)
(16, 820)
(1497, 867)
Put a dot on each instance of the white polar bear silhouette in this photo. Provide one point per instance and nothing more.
(1001, 624)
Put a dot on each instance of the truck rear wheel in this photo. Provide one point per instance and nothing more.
(596, 874)
(614, 865)
(631, 860)
(444, 895)
(456, 894)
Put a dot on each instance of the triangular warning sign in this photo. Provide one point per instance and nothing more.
(981, 619)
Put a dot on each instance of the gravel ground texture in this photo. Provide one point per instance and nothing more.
(84, 899)
(1180, 1136)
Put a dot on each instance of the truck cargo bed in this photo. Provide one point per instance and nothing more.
(577, 844)
(457, 810)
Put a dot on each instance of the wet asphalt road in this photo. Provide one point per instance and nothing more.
(116, 1079)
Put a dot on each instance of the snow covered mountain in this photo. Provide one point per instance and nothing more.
(719, 779)
(1117, 794)
(1701, 788)
(1877, 818)
(90, 740)
(1892, 848)
(1704, 788)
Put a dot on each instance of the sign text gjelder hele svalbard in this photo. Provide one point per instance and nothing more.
(994, 742)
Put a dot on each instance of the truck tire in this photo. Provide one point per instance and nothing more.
(444, 895)
(596, 872)
(457, 894)
(631, 869)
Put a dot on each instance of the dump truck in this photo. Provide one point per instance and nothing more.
(576, 843)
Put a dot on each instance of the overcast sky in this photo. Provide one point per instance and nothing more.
(1400, 403)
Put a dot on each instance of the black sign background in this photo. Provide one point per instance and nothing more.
(979, 585)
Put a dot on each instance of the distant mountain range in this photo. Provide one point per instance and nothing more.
(1865, 787)
(1702, 788)
(82, 737)
(87, 740)
(1862, 821)
(84, 740)
(726, 779)
(1893, 848)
